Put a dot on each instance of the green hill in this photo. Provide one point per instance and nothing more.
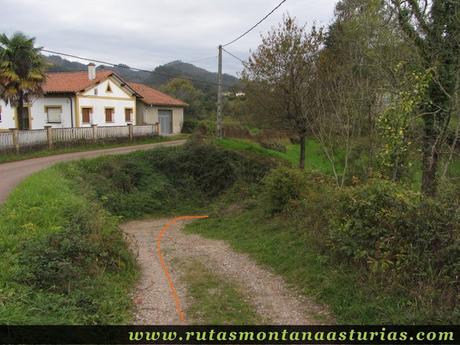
(202, 79)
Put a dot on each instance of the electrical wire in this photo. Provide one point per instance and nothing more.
(128, 67)
(255, 25)
(234, 56)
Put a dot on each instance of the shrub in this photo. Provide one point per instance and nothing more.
(236, 131)
(400, 239)
(188, 126)
(88, 245)
(273, 145)
(208, 168)
(272, 140)
(281, 187)
(63, 257)
(165, 181)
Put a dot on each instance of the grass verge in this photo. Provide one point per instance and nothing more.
(314, 159)
(63, 258)
(276, 243)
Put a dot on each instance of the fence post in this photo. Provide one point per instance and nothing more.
(15, 134)
(131, 131)
(49, 136)
(94, 127)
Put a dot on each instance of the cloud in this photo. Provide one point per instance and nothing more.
(146, 33)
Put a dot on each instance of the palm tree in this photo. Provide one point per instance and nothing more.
(22, 73)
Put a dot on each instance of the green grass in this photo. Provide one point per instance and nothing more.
(314, 160)
(77, 206)
(11, 156)
(63, 258)
(290, 253)
(215, 300)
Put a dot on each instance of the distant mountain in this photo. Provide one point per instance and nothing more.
(58, 64)
(202, 79)
(187, 70)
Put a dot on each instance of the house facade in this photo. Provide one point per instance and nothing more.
(157, 107)
(102, 98)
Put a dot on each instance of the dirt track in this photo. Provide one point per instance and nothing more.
(11, 174)
(266, 292)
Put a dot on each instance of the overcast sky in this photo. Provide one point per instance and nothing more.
(147, 33)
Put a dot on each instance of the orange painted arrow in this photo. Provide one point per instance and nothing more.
(173, 290)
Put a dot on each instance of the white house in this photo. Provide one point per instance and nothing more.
(82, 99)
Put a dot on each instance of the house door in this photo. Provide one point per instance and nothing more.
(165, 119)
(24, 123)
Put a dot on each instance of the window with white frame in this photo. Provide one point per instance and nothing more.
(54, 114)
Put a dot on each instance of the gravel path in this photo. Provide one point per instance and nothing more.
(11, 174)
(267, 292)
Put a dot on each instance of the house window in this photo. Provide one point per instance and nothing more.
(109, 88)
(86, 115)
(0, 113)
(128, 114)
(54, 114)
(109, 114)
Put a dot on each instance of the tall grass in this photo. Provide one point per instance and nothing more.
(63, 258)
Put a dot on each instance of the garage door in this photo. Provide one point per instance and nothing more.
(165, 119)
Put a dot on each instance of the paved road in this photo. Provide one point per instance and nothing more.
(11, 174)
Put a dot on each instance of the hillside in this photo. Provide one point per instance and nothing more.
(163, 73)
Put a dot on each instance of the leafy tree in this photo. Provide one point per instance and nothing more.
(280, 73)
(22, 72)
(433, 27)
(355, 76)
(185, 91)
(395, 125)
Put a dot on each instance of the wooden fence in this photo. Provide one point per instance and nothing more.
(15, 139)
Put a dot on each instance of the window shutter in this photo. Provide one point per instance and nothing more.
(54, 115)
(108, 115)
(128, 114)
(86, 118)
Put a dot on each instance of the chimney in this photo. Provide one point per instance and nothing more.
(91, 71)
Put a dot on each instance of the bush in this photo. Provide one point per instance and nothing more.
(63, 257)
(282, 187)
(400, 239)
(88, 245)
(165, 181)
(273, 145)
(272, 140)
(188, 126)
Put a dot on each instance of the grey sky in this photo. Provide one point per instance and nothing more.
(147, 33)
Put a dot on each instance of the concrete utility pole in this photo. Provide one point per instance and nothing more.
(219, 94)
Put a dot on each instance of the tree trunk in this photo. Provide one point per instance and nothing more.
(302, 152)
(430, 161)
(20, 112)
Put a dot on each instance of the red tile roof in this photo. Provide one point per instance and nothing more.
(151, 96)
(72, 81)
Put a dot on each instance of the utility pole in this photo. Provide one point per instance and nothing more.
(219, 94)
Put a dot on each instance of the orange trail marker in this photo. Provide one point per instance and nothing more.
(172, 288)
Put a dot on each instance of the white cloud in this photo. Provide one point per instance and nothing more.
(145, 33)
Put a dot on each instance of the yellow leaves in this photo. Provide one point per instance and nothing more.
(29, 227)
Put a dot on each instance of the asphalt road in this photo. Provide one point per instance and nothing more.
(11, 174)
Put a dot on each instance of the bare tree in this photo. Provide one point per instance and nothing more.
(282, 70)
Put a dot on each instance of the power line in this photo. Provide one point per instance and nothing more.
(234, 56)
(254, 26)
(130, 68)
